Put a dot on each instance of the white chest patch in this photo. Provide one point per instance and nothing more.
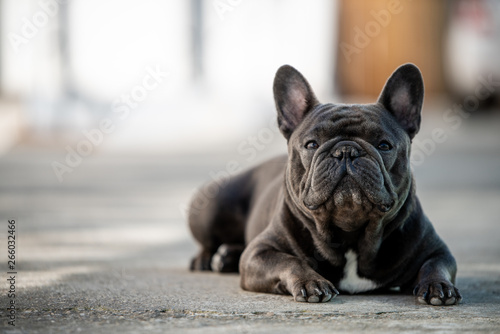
(351, 282)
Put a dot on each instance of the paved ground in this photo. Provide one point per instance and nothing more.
(106, 250)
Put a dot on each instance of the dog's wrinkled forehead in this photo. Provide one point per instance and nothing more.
(350, 122)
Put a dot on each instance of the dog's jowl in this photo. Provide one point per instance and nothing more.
(339, 212)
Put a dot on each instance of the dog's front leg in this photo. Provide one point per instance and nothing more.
(264, 268)
(436, 278)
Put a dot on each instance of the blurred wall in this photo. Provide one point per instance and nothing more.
(72, 63)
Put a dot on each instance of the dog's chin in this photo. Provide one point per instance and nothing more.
(348, 207)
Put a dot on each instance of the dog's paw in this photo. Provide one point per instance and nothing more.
(437, 293)
(227, 258)
(314, 291)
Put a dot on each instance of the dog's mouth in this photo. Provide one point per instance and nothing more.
(349, 194)
(356, 184)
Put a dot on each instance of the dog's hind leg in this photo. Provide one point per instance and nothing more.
(218, 224)
(202, 221)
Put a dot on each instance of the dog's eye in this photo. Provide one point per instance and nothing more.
(384, 146)
(311, 145)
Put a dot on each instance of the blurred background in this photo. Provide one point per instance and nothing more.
(67, 65)
(113, 112)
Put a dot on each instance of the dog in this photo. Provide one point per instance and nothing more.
(339, 212)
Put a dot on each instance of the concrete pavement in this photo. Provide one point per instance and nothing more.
(106, 250)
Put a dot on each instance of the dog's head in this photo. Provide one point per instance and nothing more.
(349, 164)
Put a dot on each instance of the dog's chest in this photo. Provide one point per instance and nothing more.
(351, 282)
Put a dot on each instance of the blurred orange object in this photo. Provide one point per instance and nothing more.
(376, 36)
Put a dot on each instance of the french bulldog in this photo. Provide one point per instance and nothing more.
(340, 212)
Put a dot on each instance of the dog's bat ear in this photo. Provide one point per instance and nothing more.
(403, 96)
(294, 98)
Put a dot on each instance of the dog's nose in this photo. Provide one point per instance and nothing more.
(344, 150)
